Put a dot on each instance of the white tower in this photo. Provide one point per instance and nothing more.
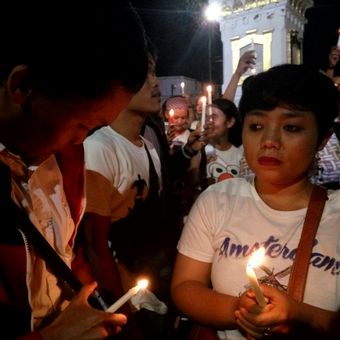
(274, 28)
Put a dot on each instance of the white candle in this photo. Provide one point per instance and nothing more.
(254, 261)
(252, 48)
(338, 44)
(171, 116)
(252, 45)
(142, 284)
(209, 90)
(204, 108)
(182, 87)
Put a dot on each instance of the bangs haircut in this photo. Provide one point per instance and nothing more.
(295, 87)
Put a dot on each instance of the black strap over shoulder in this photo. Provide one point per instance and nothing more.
(19, 220)
(153, 177)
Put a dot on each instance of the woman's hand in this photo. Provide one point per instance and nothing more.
(274, 317)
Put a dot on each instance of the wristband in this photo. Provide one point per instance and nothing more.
(188, 151)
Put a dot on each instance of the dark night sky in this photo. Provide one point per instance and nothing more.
(181, 36)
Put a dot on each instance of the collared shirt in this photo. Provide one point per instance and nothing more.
(39, 190)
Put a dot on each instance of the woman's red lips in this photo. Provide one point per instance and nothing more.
(269, 161)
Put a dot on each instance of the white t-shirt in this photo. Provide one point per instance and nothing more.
(222, 164)
(117, 172)
(229, 220)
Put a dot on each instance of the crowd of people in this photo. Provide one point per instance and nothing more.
(102, 184)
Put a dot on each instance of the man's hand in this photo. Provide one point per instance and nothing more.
(82, 322)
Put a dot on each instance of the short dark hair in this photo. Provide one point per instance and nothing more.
(227, 107)
(74, 48)
(230, 110)
(296, 87)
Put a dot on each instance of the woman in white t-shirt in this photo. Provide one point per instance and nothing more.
(287, 115)
(221, 156)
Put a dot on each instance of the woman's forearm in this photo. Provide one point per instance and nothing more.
(204, 305)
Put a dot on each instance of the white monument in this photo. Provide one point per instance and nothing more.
(274, 28)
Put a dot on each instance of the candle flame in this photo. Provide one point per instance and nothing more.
(171, 112)
(182, 84)
(142, 284)
(257, 257)
(204, 99)
(209, 88)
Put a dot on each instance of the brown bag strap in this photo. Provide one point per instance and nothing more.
(298, 275)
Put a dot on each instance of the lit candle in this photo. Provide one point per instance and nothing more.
(204, 108)
(171, 116)
(182, 87)
(142, 284)
(338, 44)
(254, 261)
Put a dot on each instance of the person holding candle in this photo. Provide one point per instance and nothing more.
(221, 156)
(179, 135)
(190, 142)
(53, 92)
(288, 112)
(178, 132)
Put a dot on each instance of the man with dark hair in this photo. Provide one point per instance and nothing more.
(66, 68)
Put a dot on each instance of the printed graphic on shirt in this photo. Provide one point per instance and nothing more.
(271, 278)
(223, 164)
(219, 171)
(275, 249)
